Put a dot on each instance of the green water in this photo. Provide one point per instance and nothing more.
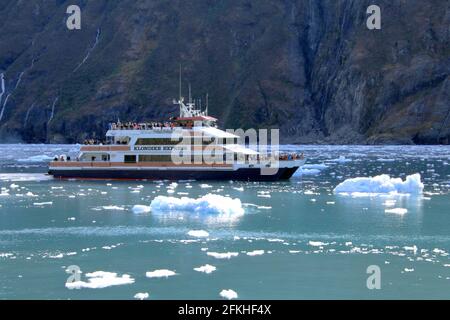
(316, 244)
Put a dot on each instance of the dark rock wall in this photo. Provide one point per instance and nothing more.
(308, 67)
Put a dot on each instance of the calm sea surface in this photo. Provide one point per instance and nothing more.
(295, 239)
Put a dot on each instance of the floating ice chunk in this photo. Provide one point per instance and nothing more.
(56, 256)
(208, 204)
(41, 204)
(390, 203)
(438, 251)
(341, 159)
(139, 208)
(198, 233)
(400, 211)
(408, 270)
(239, 189)
(101, 279)
(18, 177)
(113, 208)
(255, 253)
(306, 172)
(317, 243)
(38, 158)
(225, 255)
(318, 166)
(30, 194)
(14, 186)
(228, 294)
(413, 248)
(205, 186)
(207, 268)
(141, 295)
(162, 273)
(382, 184)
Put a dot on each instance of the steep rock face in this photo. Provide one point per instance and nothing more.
(308, 67)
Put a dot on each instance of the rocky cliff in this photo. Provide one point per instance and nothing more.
(309, 67)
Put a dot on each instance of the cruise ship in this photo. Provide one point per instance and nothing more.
(188, 147)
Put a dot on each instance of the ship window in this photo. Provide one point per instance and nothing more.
(157, 141)
(130, 159)
(155, 158)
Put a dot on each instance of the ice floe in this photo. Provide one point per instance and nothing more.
(41, 204)
(207, 268)
(317, 243)
(161, 273)
(208, 204)
(341, 159)
(101, 279)
(400, 211)
(224, 255)
(113, 208)
(228, 294)
(141, 295)
(38, 158)
(382, 184)
(317, 166)
(255, 253)
(306, 172)
(198, 233)
(139, 208)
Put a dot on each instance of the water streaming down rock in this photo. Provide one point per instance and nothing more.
(89, 51)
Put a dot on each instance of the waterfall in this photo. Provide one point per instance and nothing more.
(4, 105)
(97, 37)
(19, 79)
(53, 110)
(2, 86)
(28, 115)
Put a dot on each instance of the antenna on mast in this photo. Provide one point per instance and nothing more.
(206, 111)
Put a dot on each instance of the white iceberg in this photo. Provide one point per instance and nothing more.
(113, 208)
(255, 253)
(100, 279)
(207, 268)
(208, 204)
(141, 295)
(341, 159)
(382, 184)
(228, 294)
(317, 243)
(318, 166)
(41, 204)
(139, 208)
(198, 233)
(38, 158)
(162, 273)
(225, 255)
(306, 172)
(400, 211)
